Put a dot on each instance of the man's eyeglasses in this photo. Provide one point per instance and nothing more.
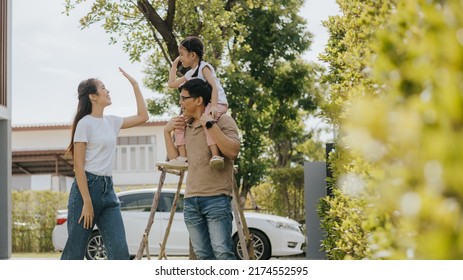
(183, 98)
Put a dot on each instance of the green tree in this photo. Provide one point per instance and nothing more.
(272, 89)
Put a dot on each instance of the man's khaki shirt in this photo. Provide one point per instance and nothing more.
(203, 180)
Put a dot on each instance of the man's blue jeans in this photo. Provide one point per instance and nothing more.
(209, 222)
(106, 208)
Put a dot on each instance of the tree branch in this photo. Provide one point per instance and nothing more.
(164, 29)
(163, 50)
(170, 13)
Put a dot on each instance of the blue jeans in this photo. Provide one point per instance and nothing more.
(107, 217)
(209, 222)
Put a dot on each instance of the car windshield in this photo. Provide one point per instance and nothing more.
(141, 202)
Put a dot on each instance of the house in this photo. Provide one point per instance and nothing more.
(39, 162)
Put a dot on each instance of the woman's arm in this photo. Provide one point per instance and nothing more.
(142, 113)
(81, 178)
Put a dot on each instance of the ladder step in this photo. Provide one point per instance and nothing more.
(167, 166)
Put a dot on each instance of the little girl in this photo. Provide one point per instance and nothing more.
(191, 55)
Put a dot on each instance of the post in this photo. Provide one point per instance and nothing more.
(329, 174)
(5, 189)
(315, 189)
(5, 129)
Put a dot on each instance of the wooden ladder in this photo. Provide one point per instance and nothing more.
(245, 238)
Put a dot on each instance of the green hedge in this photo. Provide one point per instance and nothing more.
(34, 217)
(283, 194)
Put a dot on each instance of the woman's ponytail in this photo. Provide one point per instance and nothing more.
(84, 108)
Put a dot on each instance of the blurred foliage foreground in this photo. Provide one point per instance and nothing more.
(396, 81)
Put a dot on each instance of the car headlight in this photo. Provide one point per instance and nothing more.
(282, 225)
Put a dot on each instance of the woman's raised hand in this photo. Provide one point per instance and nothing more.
(130, 78)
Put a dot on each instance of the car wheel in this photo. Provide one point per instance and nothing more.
(95, 249)
(262, 249)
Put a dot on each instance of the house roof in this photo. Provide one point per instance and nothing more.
(50, 126)
(42, 162)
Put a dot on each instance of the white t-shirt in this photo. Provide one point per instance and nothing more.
(221, 97)
(100, 134)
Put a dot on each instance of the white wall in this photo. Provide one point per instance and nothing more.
(40, 139)
(42, 182)
(21, 182)
(61, 183)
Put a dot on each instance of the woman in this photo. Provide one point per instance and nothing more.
(92, 199)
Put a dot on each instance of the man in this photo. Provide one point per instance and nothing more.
(208, 194)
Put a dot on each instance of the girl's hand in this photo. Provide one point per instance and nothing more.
(175, 62)
(130, 78)
(213, 111)
(175, 123)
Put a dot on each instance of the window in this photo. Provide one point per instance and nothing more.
(135, 154)
(168, 199)
(141, 202)
(137, 202)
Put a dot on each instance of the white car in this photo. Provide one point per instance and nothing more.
(273, 236)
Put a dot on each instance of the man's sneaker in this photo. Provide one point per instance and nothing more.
(179, 162)
(216, 162)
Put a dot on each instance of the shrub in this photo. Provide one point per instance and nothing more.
(283, 195)
(34, 217)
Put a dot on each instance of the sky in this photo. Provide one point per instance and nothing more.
(51, 55)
